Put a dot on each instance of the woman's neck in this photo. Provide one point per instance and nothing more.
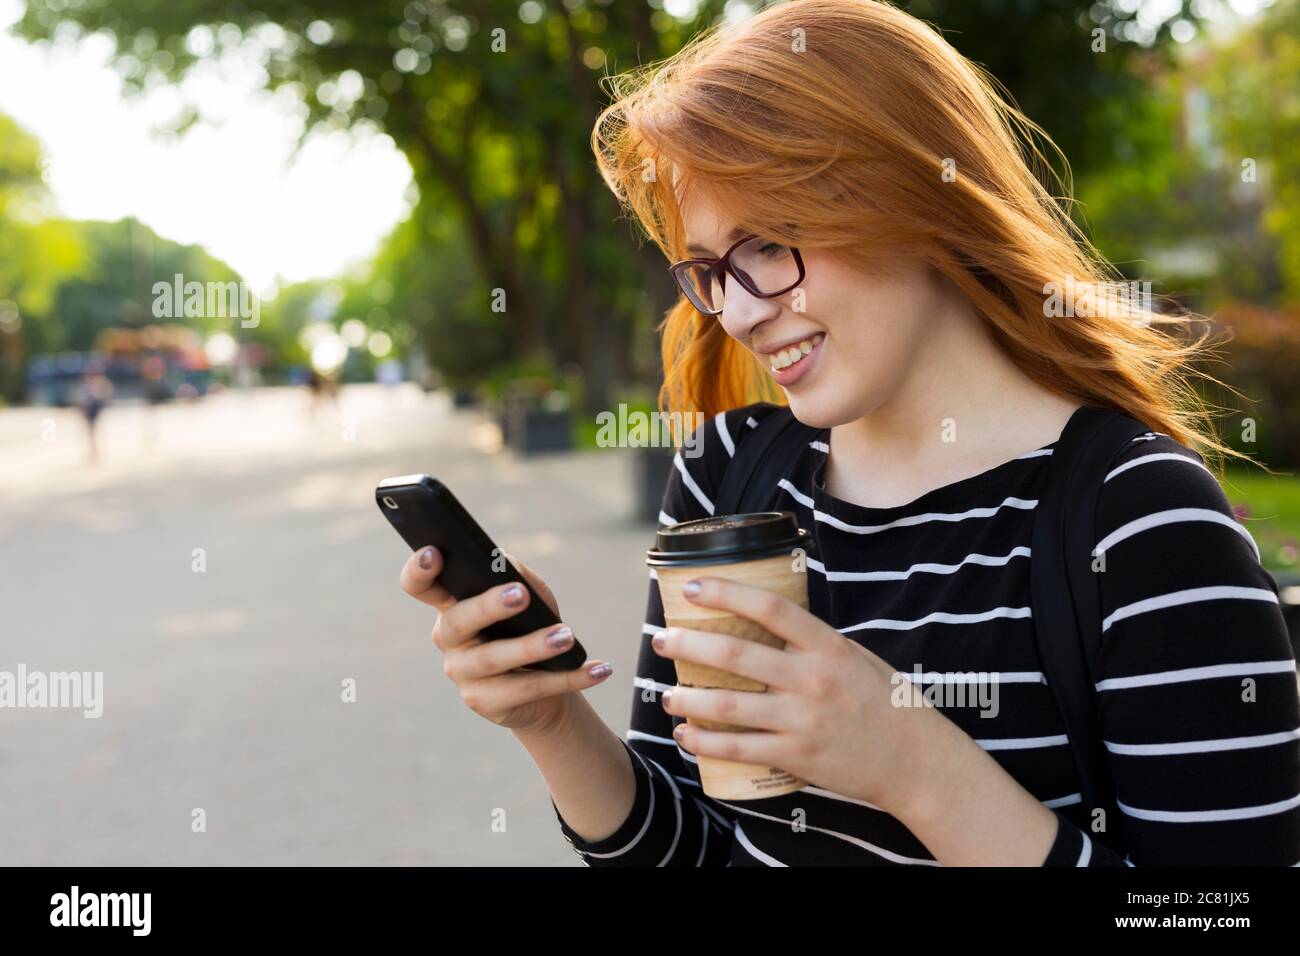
(962, 409)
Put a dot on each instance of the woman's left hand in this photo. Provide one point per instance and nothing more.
(833, 713)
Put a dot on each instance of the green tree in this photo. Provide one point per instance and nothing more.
(115, 286)
(1255, 85)
(493, 103)
(36, 253)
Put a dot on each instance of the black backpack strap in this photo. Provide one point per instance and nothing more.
(1064, 588)
(758, 462)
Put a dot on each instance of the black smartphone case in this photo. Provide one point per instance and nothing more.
(427, 513)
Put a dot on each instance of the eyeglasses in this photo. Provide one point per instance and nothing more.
(765, 270)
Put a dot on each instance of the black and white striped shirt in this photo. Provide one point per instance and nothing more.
(1197, 694)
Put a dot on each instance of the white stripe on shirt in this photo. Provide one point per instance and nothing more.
(1202, 746)
(938, 617)
(1173, 516)
(764, 858)
(1220, 592)
(690, 484)
(907, 522)
(1086, 853)
(1210, 816)
(720, 420)
(975, 677)
(1156, 456)
(649, 817)
(990, 561)
(677, 802)
(911, 520)
(646, 683)
(869, 847)
(1024, 743)
(704, 840)
(1067, 801)
(650, 738)
(1197, 673)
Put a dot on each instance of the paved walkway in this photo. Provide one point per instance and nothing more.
(222, 689)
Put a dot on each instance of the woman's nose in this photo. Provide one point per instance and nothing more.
(743, 312)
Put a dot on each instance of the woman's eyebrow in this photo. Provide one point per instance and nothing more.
(698, 250)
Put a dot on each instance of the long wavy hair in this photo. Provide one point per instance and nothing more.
(851, 125)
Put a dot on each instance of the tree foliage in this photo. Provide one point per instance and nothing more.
(493, 103)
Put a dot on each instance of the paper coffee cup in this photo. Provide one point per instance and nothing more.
(765, 550)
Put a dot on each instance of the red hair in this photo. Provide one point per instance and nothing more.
(851, 125)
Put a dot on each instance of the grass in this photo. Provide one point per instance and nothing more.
(1270, 509)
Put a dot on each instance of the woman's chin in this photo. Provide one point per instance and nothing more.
(817, 411)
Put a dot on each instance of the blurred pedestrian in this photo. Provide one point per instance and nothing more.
(322, 387)
(91, 395)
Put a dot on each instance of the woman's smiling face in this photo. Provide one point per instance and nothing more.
(858, 335)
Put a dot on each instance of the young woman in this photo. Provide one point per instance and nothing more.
(855, 230)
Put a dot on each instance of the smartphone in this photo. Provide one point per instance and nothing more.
(424, 512)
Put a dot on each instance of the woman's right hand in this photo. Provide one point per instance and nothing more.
(482, 669)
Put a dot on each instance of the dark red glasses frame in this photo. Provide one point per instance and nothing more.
(722, 267)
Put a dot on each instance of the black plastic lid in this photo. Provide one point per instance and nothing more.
(727, 538)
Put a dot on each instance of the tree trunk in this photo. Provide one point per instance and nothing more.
(498, 262)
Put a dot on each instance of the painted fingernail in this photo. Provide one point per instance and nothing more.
(659, 640)
(426, 559)
(600, 670)
(513, 595)
(679, 731)
(562, 636)
(666, 696)
(691, 588)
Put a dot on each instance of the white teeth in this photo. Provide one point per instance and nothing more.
(788, 356)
